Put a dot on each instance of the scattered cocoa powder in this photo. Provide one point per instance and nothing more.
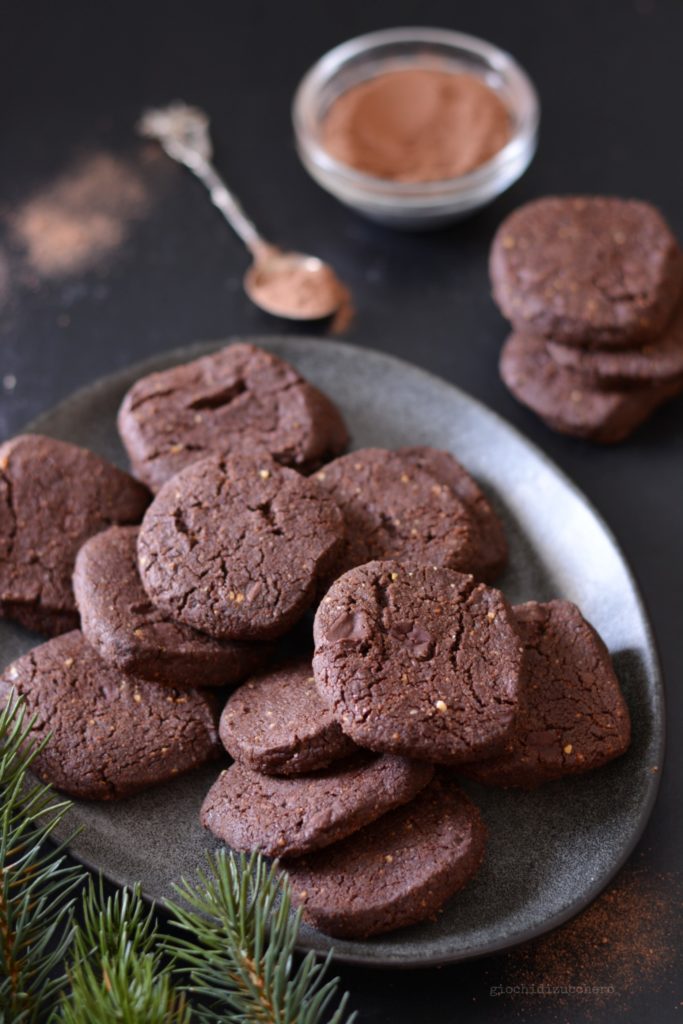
(80, 217)
(417, 124)
(624, 944)
(343, 319)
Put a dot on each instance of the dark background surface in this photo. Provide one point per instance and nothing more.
(74, 77)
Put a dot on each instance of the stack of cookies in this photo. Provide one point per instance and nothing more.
(345, 766)
(195, 637)
(593, 288)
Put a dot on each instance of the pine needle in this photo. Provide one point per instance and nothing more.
(36, 883)
(117, 975)
(236, 943)
(235, 951)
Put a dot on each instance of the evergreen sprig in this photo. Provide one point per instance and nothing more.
(117, 975)
(234, 948)
(237, 940)
(36, 882)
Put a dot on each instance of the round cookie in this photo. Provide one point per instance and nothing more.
(394, 508)
(419, 661)
(53, 496)
(572, 717)
(128, 631)
(107, 735)
(396, 872)
(288, 817)
(240, 398)
(564, 400)
(587, 270)
(277, 723)
(236, 547)
(656, 362)
(491, 547)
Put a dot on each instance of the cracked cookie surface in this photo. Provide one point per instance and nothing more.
(587, 270)
(490, 549)
(277, 723)
(420, 661)
(296, 815)
(240, 398)
(572, 716)
(395, 508)
(128, 631)
(111, 735)
(396, 872)
(53, 497)
(236, 547)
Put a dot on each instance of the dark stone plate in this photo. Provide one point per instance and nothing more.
(550, 852)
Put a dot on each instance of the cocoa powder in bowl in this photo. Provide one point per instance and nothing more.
(417, 125)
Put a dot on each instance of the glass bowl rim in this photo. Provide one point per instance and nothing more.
(379, 189)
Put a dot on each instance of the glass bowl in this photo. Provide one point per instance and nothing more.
(414, 205)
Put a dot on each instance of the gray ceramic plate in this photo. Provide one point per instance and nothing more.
(549, 852)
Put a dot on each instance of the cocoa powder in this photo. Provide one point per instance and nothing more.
(623, 946)
(80, 217)
(296, 290)
(417, 124)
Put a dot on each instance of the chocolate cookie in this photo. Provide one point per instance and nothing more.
(292, 816)
(53, 496)
(240, 398)
(419, 661)
(396, 872)
(236, 547)
(108, 735)
(491, 547)
(277, 723)
(123, 625)
(587, 270)
(394, 508)
(656, 362)
(562, 398)
(572, 715)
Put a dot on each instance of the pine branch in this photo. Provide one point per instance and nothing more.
(237, 945)
(36, 883)
(117, 975)
(235, 949)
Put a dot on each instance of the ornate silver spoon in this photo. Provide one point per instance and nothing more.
(286, 284)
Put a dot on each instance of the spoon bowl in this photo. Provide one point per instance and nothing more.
(293, 285)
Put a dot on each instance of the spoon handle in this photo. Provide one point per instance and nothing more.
(183, 131)
(230, 206)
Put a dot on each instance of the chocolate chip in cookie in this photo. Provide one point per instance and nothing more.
(420, 661)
